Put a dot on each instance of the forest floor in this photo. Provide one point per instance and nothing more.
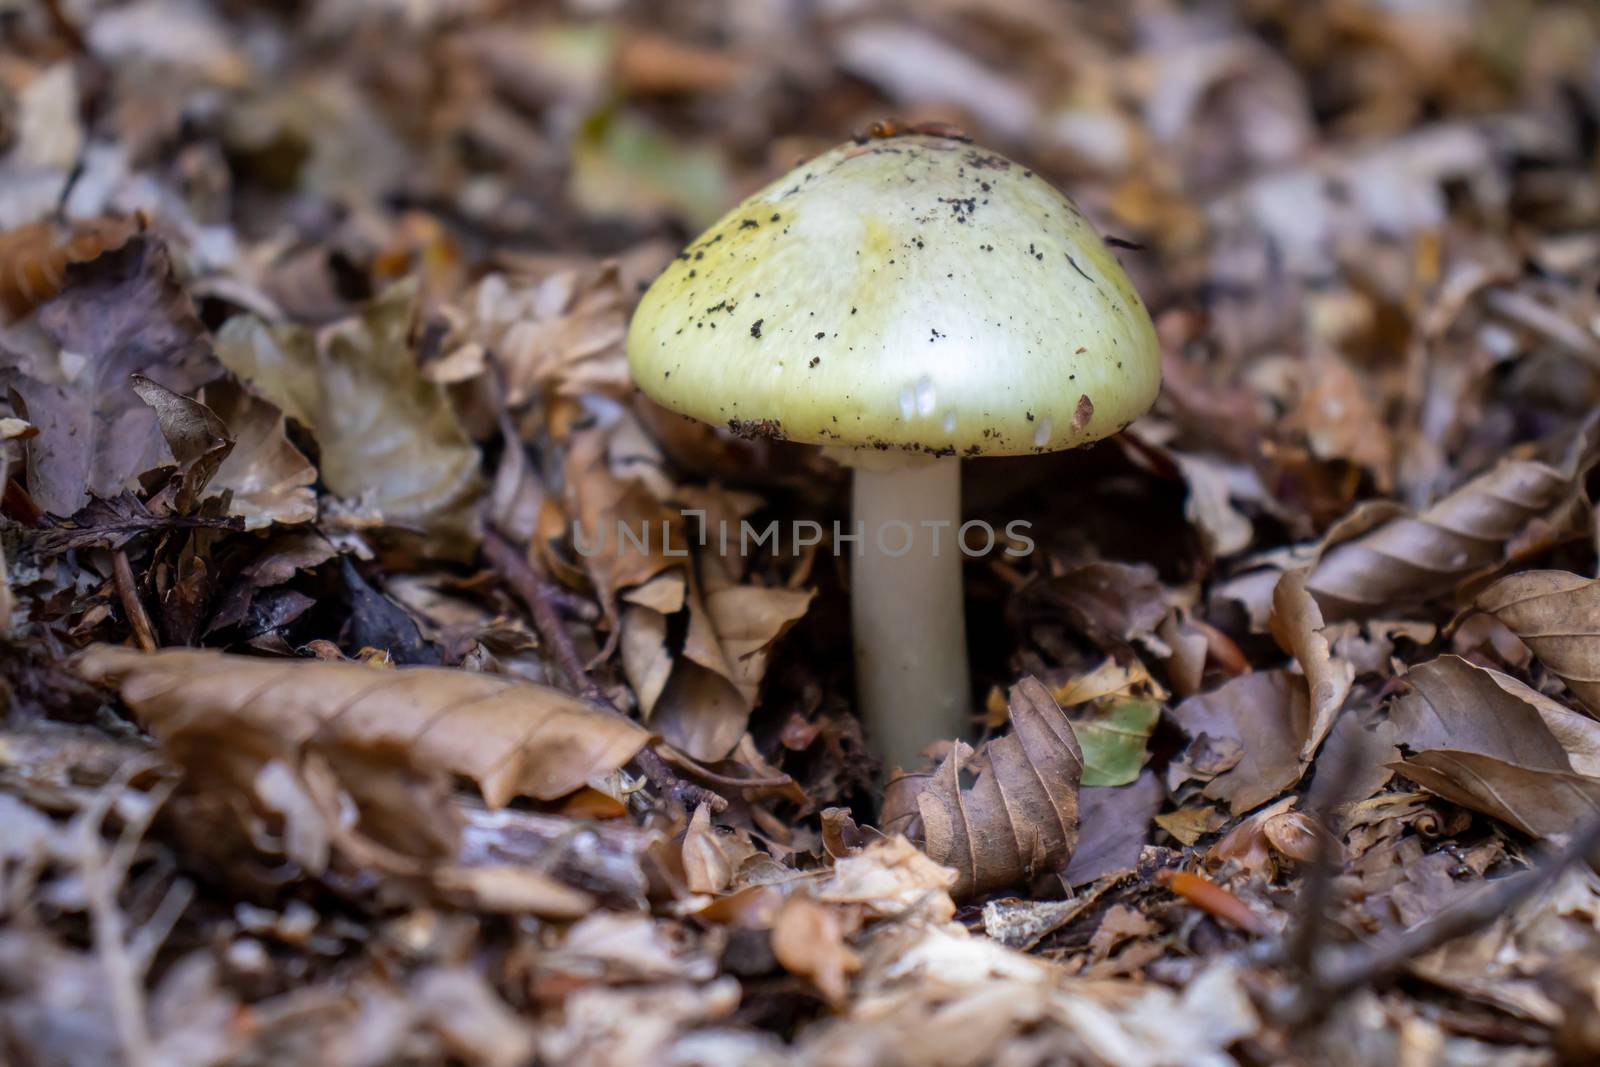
(323, 743)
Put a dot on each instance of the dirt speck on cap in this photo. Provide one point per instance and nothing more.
(1082, 413)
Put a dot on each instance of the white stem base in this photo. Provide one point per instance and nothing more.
(907, 609)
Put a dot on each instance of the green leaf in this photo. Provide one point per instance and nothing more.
(1113, 736)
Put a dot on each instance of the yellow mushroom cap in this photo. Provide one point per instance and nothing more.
(913, 292)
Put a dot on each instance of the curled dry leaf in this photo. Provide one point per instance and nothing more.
(1019, 817)
(1417, 557)
(1557, 614)
(1485, 741)
(389, 438)
(1454, 704)
(892, 878)
(711, 860)
(198, 439)
(269, 477)
(511, 738)
(1298, 628)
(808, 940)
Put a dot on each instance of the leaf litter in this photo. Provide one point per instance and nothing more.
(330, 737)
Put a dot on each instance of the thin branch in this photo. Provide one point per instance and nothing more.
(103, 876)
(536, 590)
(132, 606)
(1366, 966)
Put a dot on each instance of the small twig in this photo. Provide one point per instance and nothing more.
(132, 606)
(1549, 323)
(685, 795)
(103, 876)
(535, 589)
(1364, 966)
(1331, 788)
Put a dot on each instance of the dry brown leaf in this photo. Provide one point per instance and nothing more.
(520, 890)
(1298, 628)
(710, 859)
(1487, 742)
(1415, 558)
(1263, 718)
(1119, 924)
(1540, 803)
(120, 314)
(602, 506)
(511, 738)
(1189, 825)
(1335, 411)
(891, 877)
(1455, 705)
(1110, 603)
(1019, 817)
(808, 940)
(1557, 614)
(389, 439)
(562, 331)
(1114, 826)
(34, 258)
(269, 477)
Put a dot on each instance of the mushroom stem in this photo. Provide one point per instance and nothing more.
(907, 606)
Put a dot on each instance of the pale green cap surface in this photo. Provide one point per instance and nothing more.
(913, 292)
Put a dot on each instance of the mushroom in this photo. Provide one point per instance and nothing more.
(910, 300)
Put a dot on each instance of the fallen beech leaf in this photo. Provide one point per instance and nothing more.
(1114, 826)
(1189, 825)
(1455, 705)
(198, 439)
(1119, 924)
(512, 890)
(34, 258)
(707, 866)
(389, 438)
(120, 314)
(1019, 817)
(511, 738)
(808, 940)
(269, 477)
(1557, 614)
(1416, 558)
(623, 535)
(1297, 626)
(1265, 714)
(892, 877)
(1541, 803)
(561, 331)
(1110, 603)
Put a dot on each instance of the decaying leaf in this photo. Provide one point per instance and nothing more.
(511, 738)
(1490, 743)
(1019, 816)
(808, 940)
(1297, 625)
(269, 478)
(1265, 718)
(1541, 803)
(1558, 615)
(389, 438)
(120, 314)
(1413, 558)
(1114, 825)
